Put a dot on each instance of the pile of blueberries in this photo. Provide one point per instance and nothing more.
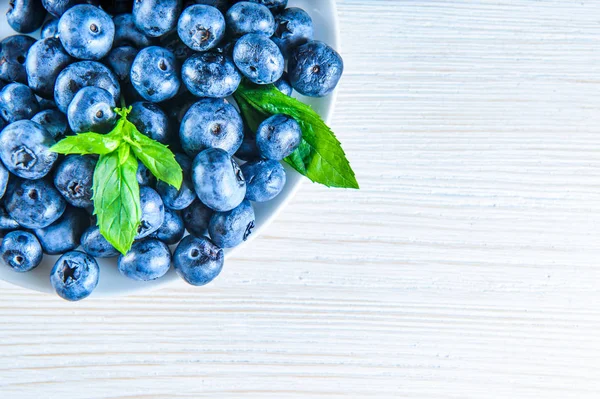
(175, 62)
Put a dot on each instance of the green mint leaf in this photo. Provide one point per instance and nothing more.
(320, 156)
(157, 157)
(87, 143)
(117, 199)
(252, 116)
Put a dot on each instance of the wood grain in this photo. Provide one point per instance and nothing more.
(466, 267)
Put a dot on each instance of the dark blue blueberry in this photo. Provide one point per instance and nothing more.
(13, 53)
(201, 27)
(197, 260)
(86, 32)
(172, 42)
(278, 136)
(50, 28)
(4, 175)
(196, 218)
(222, 5)
(294, 28)
(33, 204)
(246, 17)
(172, 229)
(151, 121)
(210, 75)
(45, 60)
(258, 58)
(115, 7)
(127, 34)
(177, 107)
(146, 260)
(284, 85)
(58, 7)
(156, 17)
(21, 251)
(264, 180)
(45, 103)
(315, 69)
(64, 234)
(83, 74)
(153, 212)
(92, 110)
(211, 123)
(25, 16)
(185, 162)
(6, 222)
(144, 176)
(74, 177)
(177, 199)
(18, 102)
(248, 151)
(274, 5)
(155, 74)
(120, 59)
(230, 229)
(25, 149)
(54, 121)
(75, 275)
(96, 245)
(218, 180)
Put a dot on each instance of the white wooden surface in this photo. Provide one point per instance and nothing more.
(466, 267)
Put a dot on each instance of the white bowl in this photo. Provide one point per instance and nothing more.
(324, 15)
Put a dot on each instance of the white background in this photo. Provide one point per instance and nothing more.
(466, 267)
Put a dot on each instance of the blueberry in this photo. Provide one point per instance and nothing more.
(59, 7)
(172, 229)
(17, 102)
(49, 29)
(21, 251)
(218, 180)
(74, 177)
(274, 5)
(115, 7)
(96, 245)
(278, 136)
(246, 17)
(284, 85)
(294, 28)
(156, 17)
(248, 151)
(172, 42)
(25, 149)
(146, 260)
(210, 75)
(54, 121)
(83, 74)
(6, 222)
(230, 229)
(46, 104)
(64, 234)
(201, 27)
(3, 180)
(127, 34)
(13, 53)
(196, 218)
(144, 176)
(197, 260)
(153, 212)
(75, 275)
(264, 180)
(92, 110)
(176, 199)
(151, 121)
(315, 69)
(155, 74)
(258, 58)
(211, 123)
(33, 203)
(86, 32)
(45, 60)
(178, 106)
(185, 162)
(119, 60)
(25, 16)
